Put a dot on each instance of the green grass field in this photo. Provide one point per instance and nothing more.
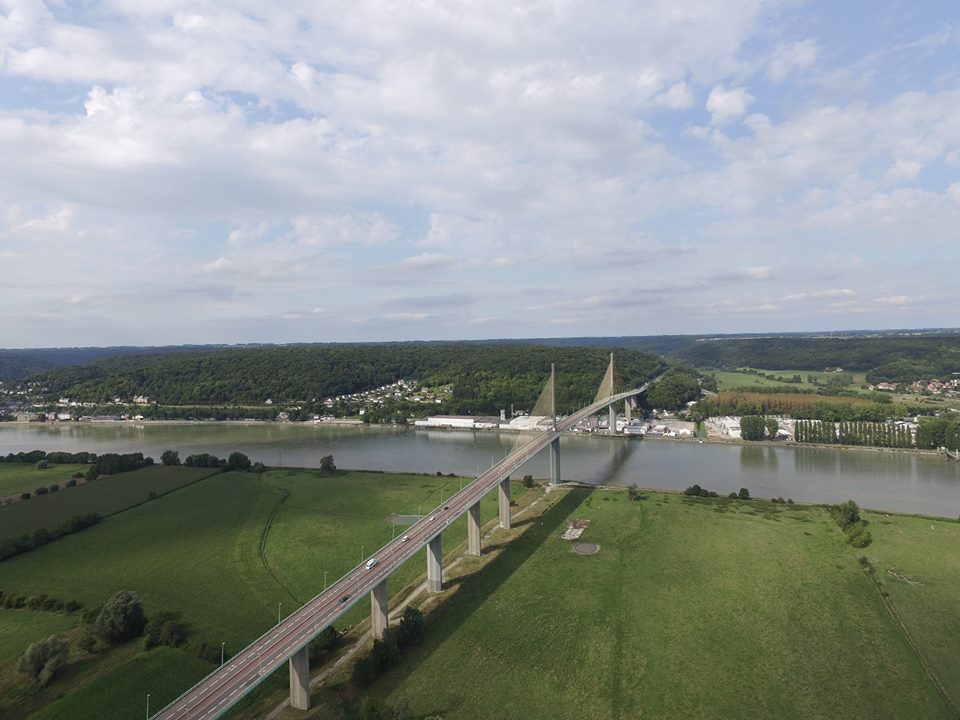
(19, 628)
(107, 495)
(226, 551)
(121, 692)
(730, 380)
(16, 478)
(691, 609)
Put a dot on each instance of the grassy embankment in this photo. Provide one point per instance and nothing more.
(16, 478)
(224, 552)
(694, 608)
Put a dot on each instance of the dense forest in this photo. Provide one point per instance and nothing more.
(888, 358)
(485, 377)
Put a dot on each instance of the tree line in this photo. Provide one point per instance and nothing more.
(889, 358)
(870, 434)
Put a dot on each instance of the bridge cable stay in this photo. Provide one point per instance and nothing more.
(545, 407)
(608, 384)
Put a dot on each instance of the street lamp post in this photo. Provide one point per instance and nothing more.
(324, 580)
(148, 706)
(279, 605)
(221, 653)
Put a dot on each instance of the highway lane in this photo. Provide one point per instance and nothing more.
(225, 686)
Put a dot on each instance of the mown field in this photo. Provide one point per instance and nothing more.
(16, 478)
(106, 495)
(226, 553)
(694, 608)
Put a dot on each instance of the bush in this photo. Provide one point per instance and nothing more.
(528, 481)
(326, 464)
(88, 641)
(25, 496)
(733, 496)
(41, 491)
(238, 461)
(121, 618)
(42, 465)
(44, 659)
(693, 490)
(744, 494)
(164, 629)
(72, 482)
(54, 488)
(170, 457)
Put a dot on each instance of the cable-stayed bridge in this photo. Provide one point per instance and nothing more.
(288, 640)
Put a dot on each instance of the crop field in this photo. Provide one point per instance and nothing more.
(229, 551)
(106, 495)
(16, 478)
(694, 608)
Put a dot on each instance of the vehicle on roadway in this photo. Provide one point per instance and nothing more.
(344, 598)
(371, 562)
(446, 507)
(404, 538)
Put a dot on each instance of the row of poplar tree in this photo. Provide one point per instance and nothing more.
(853, 433)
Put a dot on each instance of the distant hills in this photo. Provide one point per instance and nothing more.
(896, 355)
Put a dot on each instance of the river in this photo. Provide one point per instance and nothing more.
(898, 482)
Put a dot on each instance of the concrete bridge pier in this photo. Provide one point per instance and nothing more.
(627, 409)
(555, 461)
(300, 679)
(473, 529)
(503, 497)
(379, 618)
(612, 420)
(434, 565)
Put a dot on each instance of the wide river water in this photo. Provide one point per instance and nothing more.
(899, 482)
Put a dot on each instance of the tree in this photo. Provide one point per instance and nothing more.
(238, 461)
(121, 618)
(752, 427)
(170, 457)
(326, 464)
(44, 659)
(744, 494)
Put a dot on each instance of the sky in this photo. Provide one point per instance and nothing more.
(234, 172)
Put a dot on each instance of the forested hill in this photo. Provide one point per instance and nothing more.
(886, 358)
(18, 364)
(485, 377)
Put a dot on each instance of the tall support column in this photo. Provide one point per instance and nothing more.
(473, 529)
(555, 461)
(434, 565)
(627, 409)
(300, 679)
(612, 420)
(503, 497)
(379, 619)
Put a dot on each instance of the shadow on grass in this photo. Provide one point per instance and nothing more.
(476, 588)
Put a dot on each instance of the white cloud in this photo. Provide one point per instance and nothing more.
(788, 57)
(726, 105)
(678, 96)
